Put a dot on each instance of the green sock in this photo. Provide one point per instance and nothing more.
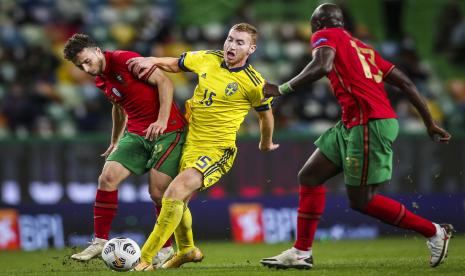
(169, 218)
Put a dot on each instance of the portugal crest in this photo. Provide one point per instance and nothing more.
(119, 78)
(231, 88)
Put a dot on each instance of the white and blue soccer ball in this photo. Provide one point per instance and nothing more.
(121, 254)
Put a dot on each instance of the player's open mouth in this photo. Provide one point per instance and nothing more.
(230, 54)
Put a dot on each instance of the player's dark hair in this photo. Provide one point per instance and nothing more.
(76, 44)
(246, 27)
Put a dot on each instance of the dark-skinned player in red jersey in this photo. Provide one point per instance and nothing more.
(148, 133)
(360, 145)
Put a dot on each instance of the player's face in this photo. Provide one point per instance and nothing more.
(90, 60)
(237, 48)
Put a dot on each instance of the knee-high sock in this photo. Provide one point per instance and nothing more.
(183, 233)
(311, 206)
(105, 207)
(170, 216)
(168, 243)
(394, 213)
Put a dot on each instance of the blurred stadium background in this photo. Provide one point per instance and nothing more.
(54, 123)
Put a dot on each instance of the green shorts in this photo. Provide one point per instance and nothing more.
(139, 155)
(364, 152)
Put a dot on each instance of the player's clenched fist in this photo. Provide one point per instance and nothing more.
(270, 90)
(438, 134)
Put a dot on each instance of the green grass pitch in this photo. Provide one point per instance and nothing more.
(386, 256)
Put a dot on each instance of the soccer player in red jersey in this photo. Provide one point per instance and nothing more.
(360, 145)
(152, 141)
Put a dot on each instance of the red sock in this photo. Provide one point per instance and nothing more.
(394, 213)
(168, 243)
(106, 205)
(311, 206)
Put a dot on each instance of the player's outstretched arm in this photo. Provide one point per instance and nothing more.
(266, 120)
(320, 66)
(119, 122)
(165, 95)
(397, 78)
(140, 66)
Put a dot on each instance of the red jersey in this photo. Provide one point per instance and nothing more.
(357, 77)
(139, 99)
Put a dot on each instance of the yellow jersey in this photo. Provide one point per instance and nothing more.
(222, 98)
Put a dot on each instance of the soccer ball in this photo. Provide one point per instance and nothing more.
(121, 254)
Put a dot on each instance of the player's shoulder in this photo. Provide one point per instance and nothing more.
(205, 56)
(253, 76)
(118, 53)
(121, 56)
(332, 37)
(329, 34)
(334, 31)
(215, 56)
(216, 53)
(206, 53)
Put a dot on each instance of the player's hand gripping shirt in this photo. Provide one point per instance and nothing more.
(138, 99)
(357, 77)
(221, 99)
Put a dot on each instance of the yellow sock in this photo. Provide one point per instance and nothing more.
(183, 233)
(170, 216)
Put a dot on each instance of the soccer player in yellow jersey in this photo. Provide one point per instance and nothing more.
(227, 88)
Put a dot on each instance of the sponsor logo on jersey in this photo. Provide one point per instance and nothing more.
(116, 92)
(231, 88)
(319, 41)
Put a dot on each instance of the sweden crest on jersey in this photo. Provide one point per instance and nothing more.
(231, 88)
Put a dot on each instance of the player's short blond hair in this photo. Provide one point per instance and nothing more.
(246, 27)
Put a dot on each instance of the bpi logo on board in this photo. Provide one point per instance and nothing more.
(246, 222)
(250, 223)
(9, 230)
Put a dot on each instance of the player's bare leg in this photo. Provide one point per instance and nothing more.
(312, 195)
(106, 204)
(364, 199)
(158, 182)
(180, 190)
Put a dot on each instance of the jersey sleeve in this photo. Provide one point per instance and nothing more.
(383, 65)
(258, 100)
(192, 61)
(255, 91)
(323, 38)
